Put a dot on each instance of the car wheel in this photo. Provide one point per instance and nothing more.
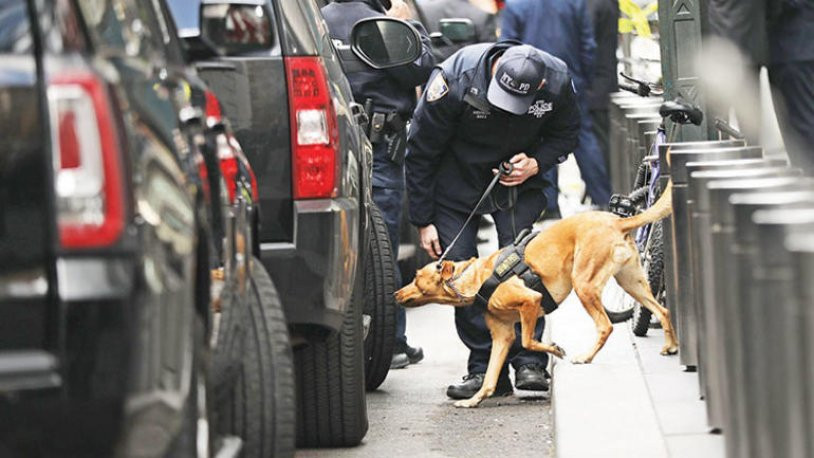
(194, 438)
(331, 404)
(380, 304)
(228, 350)
(261, 407)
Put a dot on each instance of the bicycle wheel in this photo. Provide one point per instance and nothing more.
(653, 260)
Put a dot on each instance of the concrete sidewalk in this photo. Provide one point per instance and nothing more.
(630, 402)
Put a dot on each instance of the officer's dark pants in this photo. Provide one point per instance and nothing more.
(469, 320)
(794, 82)
(591, 162)
(388, 192)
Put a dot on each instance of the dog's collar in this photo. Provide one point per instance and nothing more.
(451, 285)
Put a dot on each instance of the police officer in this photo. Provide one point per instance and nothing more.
(486, 104)
(391, 95)
(563, 28)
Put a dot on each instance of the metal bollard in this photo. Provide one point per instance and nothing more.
(667, 225)
(685, 316)
(801, 247)
(780, 417)
(726, 254)
(700, 246)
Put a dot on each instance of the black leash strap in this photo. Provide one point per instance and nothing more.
(505, 169)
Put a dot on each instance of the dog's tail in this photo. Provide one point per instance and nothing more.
(659, 210)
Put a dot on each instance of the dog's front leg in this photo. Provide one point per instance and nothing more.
(502, 339)
(528, 321)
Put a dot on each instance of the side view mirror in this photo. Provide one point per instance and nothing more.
(236, 27)
(384, 42)
(458, 30)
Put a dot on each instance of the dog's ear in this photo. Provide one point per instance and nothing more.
(447, 270)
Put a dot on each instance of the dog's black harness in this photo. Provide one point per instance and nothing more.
(511, 261)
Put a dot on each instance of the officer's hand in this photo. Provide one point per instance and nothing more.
(429, 241)
(399, 10)
(524, 168)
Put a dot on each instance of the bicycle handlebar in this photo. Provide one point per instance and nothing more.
(642, 88)
(726, 128)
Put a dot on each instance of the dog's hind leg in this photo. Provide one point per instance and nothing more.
(502, 340)
(632, 279)
(589, 280)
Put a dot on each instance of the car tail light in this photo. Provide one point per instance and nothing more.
(228, 165)
(241, 158)
(314, 134)
(213, 111)
(87, 161)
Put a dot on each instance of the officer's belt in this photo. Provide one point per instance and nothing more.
(510, 262)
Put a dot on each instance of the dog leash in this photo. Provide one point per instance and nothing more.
(504, 169)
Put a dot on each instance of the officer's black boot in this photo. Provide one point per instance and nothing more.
(471, 384)
(531, 377)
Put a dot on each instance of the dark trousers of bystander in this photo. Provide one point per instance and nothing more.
(794, 83)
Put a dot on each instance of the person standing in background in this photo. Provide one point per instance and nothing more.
(605, 15)
(791, 73)
(392, 94)
(432, 11)
(563, 28)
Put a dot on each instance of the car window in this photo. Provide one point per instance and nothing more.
(185, 13)
(14, 27)
(123, 26)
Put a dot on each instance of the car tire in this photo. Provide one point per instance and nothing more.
(380, 305)
(331, 402)
(189, 440)
(261, 406)
(228, 350)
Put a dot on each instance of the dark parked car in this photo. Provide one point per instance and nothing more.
(293, 112)
(126, 280)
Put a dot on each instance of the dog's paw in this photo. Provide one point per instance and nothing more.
(669, 350)
(466, 403)
(559, 352)
(584, 359)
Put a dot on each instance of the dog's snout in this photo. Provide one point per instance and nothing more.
(406, 295)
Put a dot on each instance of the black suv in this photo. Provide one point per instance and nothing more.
(126, 281)
(321, 238)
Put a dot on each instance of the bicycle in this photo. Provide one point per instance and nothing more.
(649, 239)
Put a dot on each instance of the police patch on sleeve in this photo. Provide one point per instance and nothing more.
(437, 88)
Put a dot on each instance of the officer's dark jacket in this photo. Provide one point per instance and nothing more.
(456, 140)
(392, 89)
(559, 27)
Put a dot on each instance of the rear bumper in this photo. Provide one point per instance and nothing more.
(70, 395)
(315, 274)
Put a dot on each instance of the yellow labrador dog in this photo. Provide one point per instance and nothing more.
(579, 253)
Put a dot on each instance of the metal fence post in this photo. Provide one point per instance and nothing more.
(681, 24)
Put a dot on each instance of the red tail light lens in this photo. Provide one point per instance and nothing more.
(213, 111)
(87, 162)
(228, 165)
(314, 134)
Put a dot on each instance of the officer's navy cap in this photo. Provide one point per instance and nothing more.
(519, 75)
